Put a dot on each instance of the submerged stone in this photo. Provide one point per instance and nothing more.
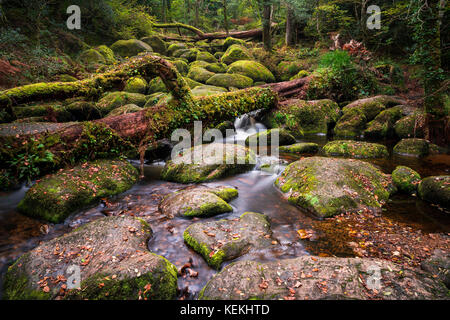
(405, 179)
(208, 162)
(436, 190)
(113, 259)
(300, 148)
(355, 149)
(224, 240)
(330, 186)
(54, 197)
(198, 202)
(320, 278)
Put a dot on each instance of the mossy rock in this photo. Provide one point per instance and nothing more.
(301, 74)
(412, 147)
(83, 110)
(66, 78)
(130, 48)
(301, 279)
(236, 237)
(257, 139)
(351, 124)
(198, 202)
(436, 190)
(129, 108)
(107, 53)
(288, 69)
(174, 47)
(189, 54)
(156, 85)
(118, 99)
(234, 53)
(207, 90)
(114, 265)
(56, 110)
(217, 67)
(136, 85)
(306, 117)
(182, 67)
(192, 84)
(157, 44)
(231, 41)
(355, 149)
(199, 63)
(383, 124)
(300, 148)
(252, 69)
(199, 74)
(178, 53)
(206, 56)
(58, 195)
(218, 55)
(372, 106)
(208, 162)
(158, 98)
(332, 186)
(411, 126)
(227, 80)
(405, 179)
(92, 57)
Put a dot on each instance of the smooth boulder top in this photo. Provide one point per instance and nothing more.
(224, 240)
(260, 138)
(321, 278)
(208, 162)
(56, 196)
(300, 148)
(355, 149)
(130, 48)
(331, 186)
(412, 147)
(198, 201)
(405, 179)
(113, 259)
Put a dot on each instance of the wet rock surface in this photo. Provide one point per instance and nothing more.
(355, 149)
(436, 190)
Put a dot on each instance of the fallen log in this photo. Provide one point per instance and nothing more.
(286, 89)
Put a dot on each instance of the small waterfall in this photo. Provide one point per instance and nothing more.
(245, 126)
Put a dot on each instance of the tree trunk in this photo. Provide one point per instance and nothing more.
(225, 18)
(290, 26)
(267, 39)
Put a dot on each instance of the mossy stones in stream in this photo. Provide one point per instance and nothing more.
(321, 278)
(351, 124)
(300, 148)
(130, 48)
(208, 162)
(265, 137)
(331, 186)
(355, 149)
(251, 69)
(227, 80)
(224, 240)
(54, 197)
(118, 99)
(198, 201)
(113, 259)
(412, 147)
(436, 190)
(405, 179)
(411, 126)
(383, 124)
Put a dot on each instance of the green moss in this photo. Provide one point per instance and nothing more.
(231, 41)
(107, 53)
(157, 44)
(284, 137)
(252, 69)
(288, 69)
(351, 124)
(199, 74)
(136, 85)
(129, 108)
(355, 149)
(405, 179)
(181, 66)
(118, 99)
(412, 147)
(300, 148)
(230, 80)
(411, 126)
(214, 260)
(226, 194)
(174, 47)
(130, 48)
(206, 56)
(92, 57)
(234, 53)
(216, 67)
(383, 124)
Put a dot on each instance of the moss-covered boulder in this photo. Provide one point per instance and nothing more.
(217, 67)
(157, 44)
(234, 53)
(182, 67)
(321, 278)
(92, 57)
(355, 149)
(208, 162)
(54, 197)
(300, 148)
(206, 90)
(189, 54)
(405, 179)
(372, 106)
(230, 41)
(174, 47)
(118, 99)
(438, 265)
(412, 147)
(54, 110)
(130, 48)
(225, 240)
(351, 124)
(136, 85)
(252, 69)
(206, 56)
(227, 80)
(301, 74)
(198, 202)
(129, 108)
(306, 117)
(158, 98)
(113, 260)
(268, 136)
(383, 124)
(288, 69)
(436, 190)
(199, 74)
(411, 126)
(107, 53)
(156, 85)
(192, 84)
(330, 186)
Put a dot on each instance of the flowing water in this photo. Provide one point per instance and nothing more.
(257, 193)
